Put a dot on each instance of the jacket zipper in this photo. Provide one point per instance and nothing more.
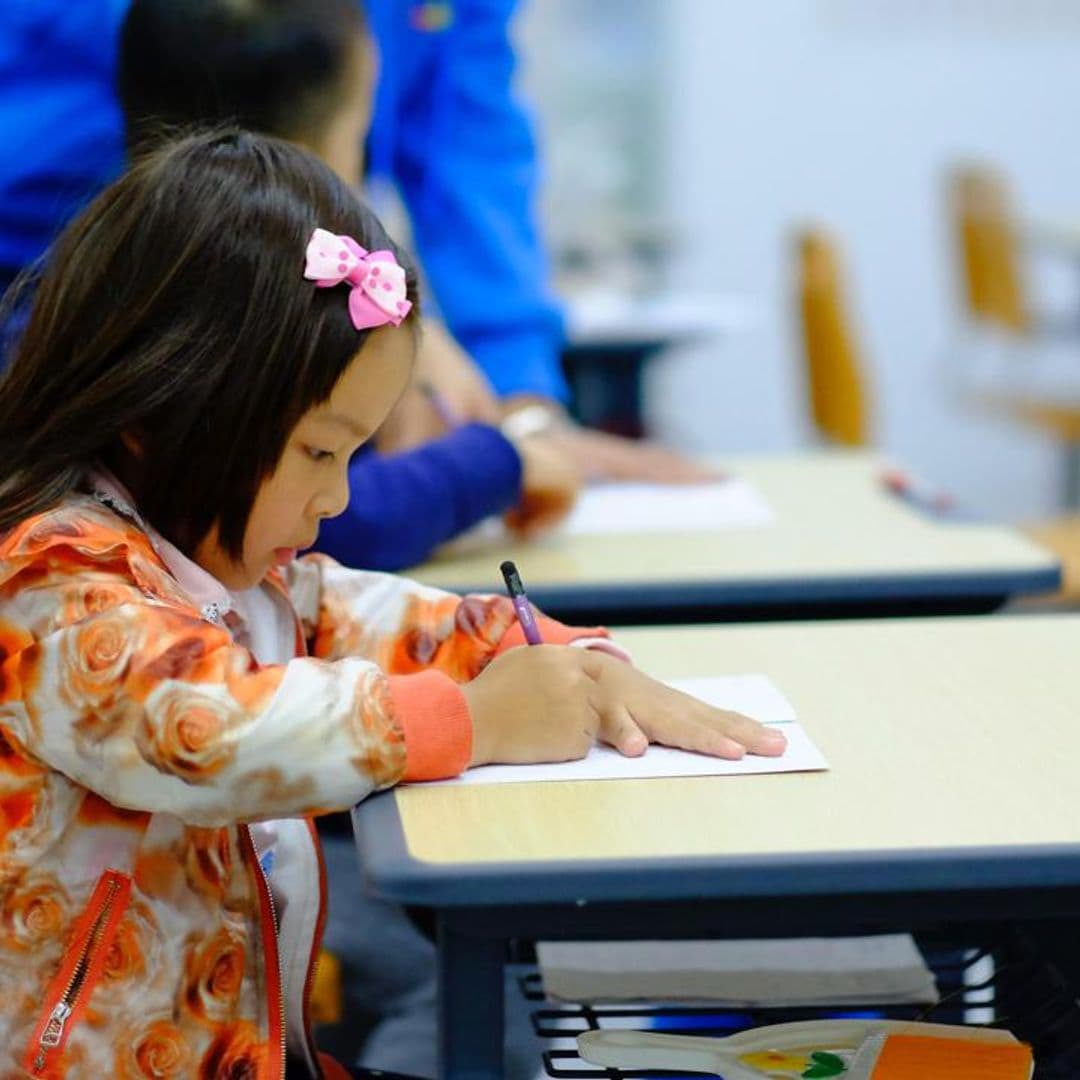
(52, 1036)
(270, 943)
(309, 979)
(320, 926)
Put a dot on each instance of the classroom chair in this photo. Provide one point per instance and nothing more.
(326, 1003)
(327, 995)
(995, 298)
(1061, 536)
(1005, 365)
(985, 235)
(835, 377)
(836, 380)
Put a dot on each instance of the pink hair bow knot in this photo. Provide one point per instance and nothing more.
(377, 293)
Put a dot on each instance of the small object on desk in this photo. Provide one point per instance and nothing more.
(873, 970)
(446, 412)
(732, 503)
(917, 492)
(522, 607)
(752, 695)
(814, 1049)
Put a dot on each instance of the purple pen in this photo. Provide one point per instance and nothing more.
(521, 603)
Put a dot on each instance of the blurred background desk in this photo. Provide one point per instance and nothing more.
(611, 336)
(841, 545)
(1059, 235)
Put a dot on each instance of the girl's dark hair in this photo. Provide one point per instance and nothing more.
(175, 312)
(266, 65)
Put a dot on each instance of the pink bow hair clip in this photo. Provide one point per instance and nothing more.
(377, 295)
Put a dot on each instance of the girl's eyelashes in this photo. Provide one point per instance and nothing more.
(318, 455)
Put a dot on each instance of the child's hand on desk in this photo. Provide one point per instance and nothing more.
(612, 457)
(637, 708)
(550, 482)
(552, 703)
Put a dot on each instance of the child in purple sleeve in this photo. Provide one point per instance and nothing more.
(401, 505)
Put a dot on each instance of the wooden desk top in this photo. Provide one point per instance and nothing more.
(838, 534)
(942, 735)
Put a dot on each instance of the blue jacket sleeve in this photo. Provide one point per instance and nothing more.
(60, 123)
(402, 506)
(448, 131)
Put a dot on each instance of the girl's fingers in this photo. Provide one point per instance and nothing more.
(688, 734)
(718, 732)
(768, 742)
(757, 738)
(622, 732)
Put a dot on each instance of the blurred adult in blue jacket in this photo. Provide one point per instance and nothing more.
(60, 123)
(452, 136)
(447, 130)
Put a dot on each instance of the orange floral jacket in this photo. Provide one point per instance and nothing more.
(139, 743)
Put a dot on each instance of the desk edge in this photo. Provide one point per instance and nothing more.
(392, 873)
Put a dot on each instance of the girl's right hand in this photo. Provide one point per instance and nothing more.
(553, 702)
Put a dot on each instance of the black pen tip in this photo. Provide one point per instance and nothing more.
(511, 577)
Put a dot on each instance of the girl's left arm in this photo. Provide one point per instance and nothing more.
(405, 627)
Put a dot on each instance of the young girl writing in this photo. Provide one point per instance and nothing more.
(215, 336)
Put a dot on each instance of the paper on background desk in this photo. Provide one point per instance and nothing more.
(732, 503)
(752, 695)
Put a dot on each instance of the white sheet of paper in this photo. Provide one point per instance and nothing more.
(733, 503)
(753, 695)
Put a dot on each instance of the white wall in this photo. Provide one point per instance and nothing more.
(847, 112)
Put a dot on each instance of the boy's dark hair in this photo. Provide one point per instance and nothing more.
(273, 66)
(174, 311)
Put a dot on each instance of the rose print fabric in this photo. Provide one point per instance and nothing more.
(138, 937)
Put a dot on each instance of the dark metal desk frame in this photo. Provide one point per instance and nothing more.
(480, 908)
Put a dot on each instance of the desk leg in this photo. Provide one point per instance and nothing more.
(606, 386)
(470, 1004)
(1071, 495)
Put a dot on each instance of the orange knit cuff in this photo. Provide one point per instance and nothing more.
(434, 717)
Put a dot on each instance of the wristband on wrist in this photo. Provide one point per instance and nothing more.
(531, 420)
